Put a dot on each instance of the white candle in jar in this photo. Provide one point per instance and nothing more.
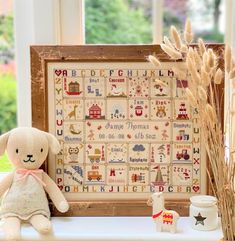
(203, 212)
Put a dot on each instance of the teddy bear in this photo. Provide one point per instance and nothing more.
(25, 188)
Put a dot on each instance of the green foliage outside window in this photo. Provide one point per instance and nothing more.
(116, 22)
(7, 112)
(7, 83)
(6, 30)
(6, 39)
(5, 165)
(7, 103)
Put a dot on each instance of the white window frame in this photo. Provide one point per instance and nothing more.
(39, 22)
(230, 91)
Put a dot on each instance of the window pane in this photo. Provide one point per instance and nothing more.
(207, 17)
(118, 21)
(7, 76)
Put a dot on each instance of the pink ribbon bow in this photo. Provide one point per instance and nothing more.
(25, 173)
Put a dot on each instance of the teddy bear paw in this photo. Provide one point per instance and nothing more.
(63, 206)
(45, 228)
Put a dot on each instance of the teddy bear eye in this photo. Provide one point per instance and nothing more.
(41, 150)
(17, 150)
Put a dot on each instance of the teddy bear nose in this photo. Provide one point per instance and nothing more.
(29, 156)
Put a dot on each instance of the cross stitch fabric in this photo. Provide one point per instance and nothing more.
(121, 132)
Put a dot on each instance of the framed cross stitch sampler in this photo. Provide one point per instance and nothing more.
(122, 135)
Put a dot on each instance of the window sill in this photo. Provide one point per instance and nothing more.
(2, 175)
(116, 229)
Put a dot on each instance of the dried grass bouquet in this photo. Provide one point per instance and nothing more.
(205, 79)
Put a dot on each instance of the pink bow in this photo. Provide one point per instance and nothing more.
(25, 173)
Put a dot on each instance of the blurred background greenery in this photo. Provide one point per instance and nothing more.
(115, 22)
(8, 102)
(130, 21)
(7, 81)
(107, 22)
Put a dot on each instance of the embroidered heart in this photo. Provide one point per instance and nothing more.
(58, 72)
(196, 188)
(60, 187)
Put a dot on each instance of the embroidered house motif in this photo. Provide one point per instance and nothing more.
(72, 88)
(94, 112)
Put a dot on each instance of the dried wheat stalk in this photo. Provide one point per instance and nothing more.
(175, 37)
(204, 79)
(154, 61)
(188, 34)
(173, 53)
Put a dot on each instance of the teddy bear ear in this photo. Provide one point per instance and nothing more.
(53, 143)
(3, 142)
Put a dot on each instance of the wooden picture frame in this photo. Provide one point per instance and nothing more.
(44, 56)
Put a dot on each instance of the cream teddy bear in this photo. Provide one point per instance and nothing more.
(25, 198)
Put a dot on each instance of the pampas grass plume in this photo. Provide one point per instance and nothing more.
(202, 93)
(211, 58)
(154, 61)
(179, 73)
(174, 54)
(191, 52)
(160, 82)
(218, 76)
(192, 100)
(197, 59)
(196, 76)
(205, 58)
(168, 42)
(184, 48)
(205, 77)
(192, 67)
(201, 45)
(210, 112)
(175, 37)
(190, 63)
(188, 34)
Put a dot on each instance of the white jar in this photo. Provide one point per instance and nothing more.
(203, 212)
